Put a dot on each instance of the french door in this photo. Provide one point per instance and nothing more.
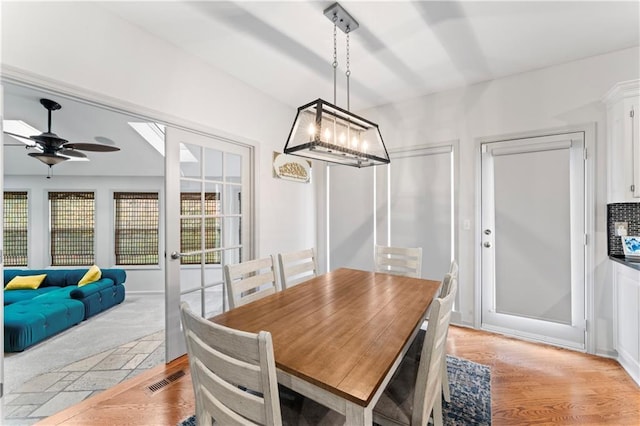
(208, 224)
(533, 238)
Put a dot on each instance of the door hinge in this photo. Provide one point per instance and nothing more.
(632, 113)
(633, 188)
(585, 153)
(586, 239)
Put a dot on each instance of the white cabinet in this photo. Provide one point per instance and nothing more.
(623, 141)
(626, 318)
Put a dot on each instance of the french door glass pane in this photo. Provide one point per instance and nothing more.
(233, 199)
(212, 164)
(232, 231)
(233, 169)
(190, 160)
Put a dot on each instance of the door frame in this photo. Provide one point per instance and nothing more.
(2, 255)
(589, 130)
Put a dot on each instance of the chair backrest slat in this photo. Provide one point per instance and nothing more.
(297, 267)
(233, 373)
(249, 281)
(405, 261)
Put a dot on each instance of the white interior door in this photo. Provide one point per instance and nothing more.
(533, 238)
(208, 224)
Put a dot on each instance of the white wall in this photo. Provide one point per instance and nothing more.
(82, 48)
(564, 95)
(139, 279)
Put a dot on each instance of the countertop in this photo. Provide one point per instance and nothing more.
(635, 264)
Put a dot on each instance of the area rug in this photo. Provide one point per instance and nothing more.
(470, 398)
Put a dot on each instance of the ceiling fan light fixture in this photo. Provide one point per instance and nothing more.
(324, 131)
(48, 158)
(51, 148)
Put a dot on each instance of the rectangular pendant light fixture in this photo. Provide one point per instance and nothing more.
(324, 131)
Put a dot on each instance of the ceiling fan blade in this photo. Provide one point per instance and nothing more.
(18, 136)
(72, 153)
(91, 147)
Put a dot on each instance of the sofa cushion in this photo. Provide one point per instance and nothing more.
(14, 296)
(105, 298)
(88, 289)
(25, 282)
(31, 321)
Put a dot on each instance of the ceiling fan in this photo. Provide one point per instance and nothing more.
(52, 149)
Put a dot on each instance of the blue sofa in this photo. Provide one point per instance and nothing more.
(31, 316)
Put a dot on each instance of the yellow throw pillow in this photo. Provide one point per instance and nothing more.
(93, 274)
(29, 282)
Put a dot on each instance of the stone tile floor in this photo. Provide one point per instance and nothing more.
(56, 390)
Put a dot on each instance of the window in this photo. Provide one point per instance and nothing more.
(192, 225)
(72, 228)
(136, 228)
(16, 225)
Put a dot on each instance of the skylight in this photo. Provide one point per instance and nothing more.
(153, 133)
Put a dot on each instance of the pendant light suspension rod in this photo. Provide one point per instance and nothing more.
(335, 57)
(348, 72)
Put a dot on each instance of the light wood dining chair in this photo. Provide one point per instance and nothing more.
(296, 267)
(453, 269)
(233, 373)
(249, 281)
(405, 261)
(416, 347)
(415, 390)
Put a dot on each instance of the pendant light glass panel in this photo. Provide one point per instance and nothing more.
(323, 131)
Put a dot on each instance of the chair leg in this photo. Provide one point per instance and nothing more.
(437, 410)
(445, 381)
(203, 418)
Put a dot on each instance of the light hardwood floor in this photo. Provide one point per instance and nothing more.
(530, 384)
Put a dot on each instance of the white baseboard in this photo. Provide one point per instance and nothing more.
(143, 292)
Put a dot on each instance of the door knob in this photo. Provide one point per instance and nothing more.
(487, 244)
(175, 255)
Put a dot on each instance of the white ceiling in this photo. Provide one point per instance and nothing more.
(402, 49)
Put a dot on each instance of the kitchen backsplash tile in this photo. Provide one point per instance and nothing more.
(622, 212)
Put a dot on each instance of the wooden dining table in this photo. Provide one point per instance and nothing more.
(339, 337)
